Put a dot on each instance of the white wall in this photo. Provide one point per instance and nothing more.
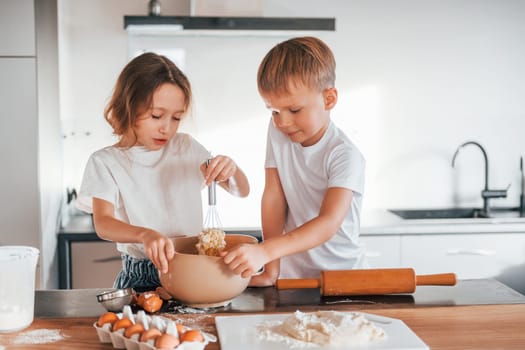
(415, 78)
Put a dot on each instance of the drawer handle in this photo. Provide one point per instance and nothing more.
(482, 252)
(108, 259)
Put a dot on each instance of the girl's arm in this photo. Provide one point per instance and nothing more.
(158, 247)
(273, 215)
(227, 174)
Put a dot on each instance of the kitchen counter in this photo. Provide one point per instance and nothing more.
(378, 223)
(382, 222)
(441, 328)
(82, 302)
(80, 229)
(475, 314)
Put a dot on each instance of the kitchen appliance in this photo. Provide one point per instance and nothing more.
(17, 287)
(368, 281)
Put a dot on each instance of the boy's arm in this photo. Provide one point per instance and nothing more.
(273, 216)
(247, 258)
(158, 247)
(336, 204)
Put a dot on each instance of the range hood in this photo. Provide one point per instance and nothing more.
(230, 23)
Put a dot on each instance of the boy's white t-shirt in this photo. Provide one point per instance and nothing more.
(305, 174)
(160, 190)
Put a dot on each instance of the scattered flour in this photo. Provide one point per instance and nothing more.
(39, 336)
(333, 328)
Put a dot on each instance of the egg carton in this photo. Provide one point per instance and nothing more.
(165, 325)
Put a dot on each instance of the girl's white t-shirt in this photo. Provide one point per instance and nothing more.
(306, 173)
(159, 189)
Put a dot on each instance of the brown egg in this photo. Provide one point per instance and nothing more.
(192, 335)
(180, 328)
(108, 317)
(150, 301)
(134, 329)
(166, 341)
(123, 323)
(152, 333)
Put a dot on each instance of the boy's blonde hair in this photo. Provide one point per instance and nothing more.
(305, 60)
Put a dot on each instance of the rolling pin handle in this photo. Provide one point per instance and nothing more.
(441, 279)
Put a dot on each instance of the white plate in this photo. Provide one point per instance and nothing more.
(240, 333)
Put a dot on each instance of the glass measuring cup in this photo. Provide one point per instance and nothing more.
(17, 287)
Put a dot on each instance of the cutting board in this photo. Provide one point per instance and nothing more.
(240, 333)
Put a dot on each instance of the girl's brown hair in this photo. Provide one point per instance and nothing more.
(135, 86)
(304, 60)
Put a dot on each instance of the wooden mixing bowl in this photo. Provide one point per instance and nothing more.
(201, 280)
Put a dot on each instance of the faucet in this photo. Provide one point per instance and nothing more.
(486, 194)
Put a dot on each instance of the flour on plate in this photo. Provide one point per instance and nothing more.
(322, 328)
(39, 336)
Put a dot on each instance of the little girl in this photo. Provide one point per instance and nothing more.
(146, 188)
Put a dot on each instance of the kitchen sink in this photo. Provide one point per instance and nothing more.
(454, 213)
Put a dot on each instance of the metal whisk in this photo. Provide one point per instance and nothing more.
(212, 217)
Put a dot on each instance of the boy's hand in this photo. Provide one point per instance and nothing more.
(220, 169)
(158, 248)
(245, 259)
(268, 277)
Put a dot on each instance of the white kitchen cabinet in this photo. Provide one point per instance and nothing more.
(17, 28)
(475, 255)
(382, 251)
(30, 136)
(18, 152)
(94, 264)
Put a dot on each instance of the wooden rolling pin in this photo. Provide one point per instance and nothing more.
(368, 281)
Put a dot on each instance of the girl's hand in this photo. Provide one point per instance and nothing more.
(220, 169)
(245, 259)
(159, 249)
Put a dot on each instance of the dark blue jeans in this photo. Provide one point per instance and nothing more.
(139, 274)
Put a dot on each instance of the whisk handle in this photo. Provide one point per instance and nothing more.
(212, 200)
(211, 194)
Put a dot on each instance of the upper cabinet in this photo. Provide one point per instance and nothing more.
(17, 23)
(230, 23)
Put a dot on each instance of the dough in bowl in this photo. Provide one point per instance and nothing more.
(211, 242)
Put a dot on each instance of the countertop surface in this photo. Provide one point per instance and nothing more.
(475, 314)
(83, 302)
(381, 221)
(373, 222)
(473, 327)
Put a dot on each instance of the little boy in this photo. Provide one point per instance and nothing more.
(314, 174)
